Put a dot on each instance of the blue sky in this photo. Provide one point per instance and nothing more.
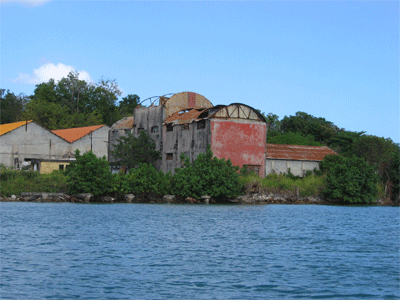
(333, 59)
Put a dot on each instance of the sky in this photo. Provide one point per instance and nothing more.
(338, 60)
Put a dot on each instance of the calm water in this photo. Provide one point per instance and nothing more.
(144, 251)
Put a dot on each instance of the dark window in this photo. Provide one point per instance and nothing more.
(127, 131)
(154, 129)
(170, 156)
(186, 126)
(201, 124)
(115, 133)
(61, 167)
(170, 127)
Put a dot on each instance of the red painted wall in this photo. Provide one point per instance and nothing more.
(242, 141)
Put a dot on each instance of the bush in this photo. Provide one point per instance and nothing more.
(14, 182)
(207, 175)
(351, 179)
(144, 180)
(89, 174)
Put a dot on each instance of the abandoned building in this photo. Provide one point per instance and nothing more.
(27, 144)
(188, 123)
(299, 159)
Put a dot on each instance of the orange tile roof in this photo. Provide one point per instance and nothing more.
(297, 152)
(4, 128)
(185, 116)
(73, 134)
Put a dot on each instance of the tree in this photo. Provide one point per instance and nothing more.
(207, 175)
(128, 104)
(89, 174)
(292, 138)
(131, 151)
(72, 102)
(11, 106)
(349, 179)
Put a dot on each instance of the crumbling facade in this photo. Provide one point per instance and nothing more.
(188, 123)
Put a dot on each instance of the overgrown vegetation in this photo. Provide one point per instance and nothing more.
(89, 174)
(131, 151)
(309, 186)
(14, 182)
(349, 179)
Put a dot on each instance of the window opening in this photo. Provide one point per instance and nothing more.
(201, 124)
(170, 127)
(154, 129)
(170, 156)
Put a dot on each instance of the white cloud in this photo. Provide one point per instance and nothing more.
(27, 2)
(48, 71)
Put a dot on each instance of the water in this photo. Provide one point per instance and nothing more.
(144, 251)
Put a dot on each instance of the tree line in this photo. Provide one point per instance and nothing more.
(70, 102)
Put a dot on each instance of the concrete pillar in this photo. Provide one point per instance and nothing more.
(206, 199)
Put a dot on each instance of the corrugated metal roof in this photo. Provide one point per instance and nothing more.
(4, 128)
(73, 134)
(185, 116)
(124, 123)
(297, 152)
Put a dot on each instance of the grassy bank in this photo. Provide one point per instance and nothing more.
(15, 182)
(280, 184)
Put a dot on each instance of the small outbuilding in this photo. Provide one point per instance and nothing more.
(299, 159)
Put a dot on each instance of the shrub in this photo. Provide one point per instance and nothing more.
(14, 182)
(207, 175)
(351, 179)
(144, 180)
(89, 174)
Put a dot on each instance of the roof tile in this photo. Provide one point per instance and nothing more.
(4, 128)
(73, 134)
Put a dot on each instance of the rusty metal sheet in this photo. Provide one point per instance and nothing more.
(124, 123)
(185, 116)
(183, 100)
(297, 152)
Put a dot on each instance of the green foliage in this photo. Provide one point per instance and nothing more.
(11, 107)
(207, 175)
(128, 104)
(14, 182)
(131, 151)
(144, 180)
(89, 174)
(306, 124)
(72, 102)
(292, 138)
(282, 184)
(350, 179)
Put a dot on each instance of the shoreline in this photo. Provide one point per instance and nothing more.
(249, 199)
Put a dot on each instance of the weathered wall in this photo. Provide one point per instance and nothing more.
(191, 142)
(95, 141)
(297, 168)
(241, 141)
(46, 167)
(31, 141)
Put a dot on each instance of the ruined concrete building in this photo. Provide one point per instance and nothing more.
(188, 123)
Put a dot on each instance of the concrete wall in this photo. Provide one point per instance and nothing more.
(96, 141)
(241, 141)
(297, 167)
(188, 139)
(31, 141)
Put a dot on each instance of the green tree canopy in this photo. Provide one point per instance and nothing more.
(11, 106)
(130, 151)
(89, 174)
(72, 102)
